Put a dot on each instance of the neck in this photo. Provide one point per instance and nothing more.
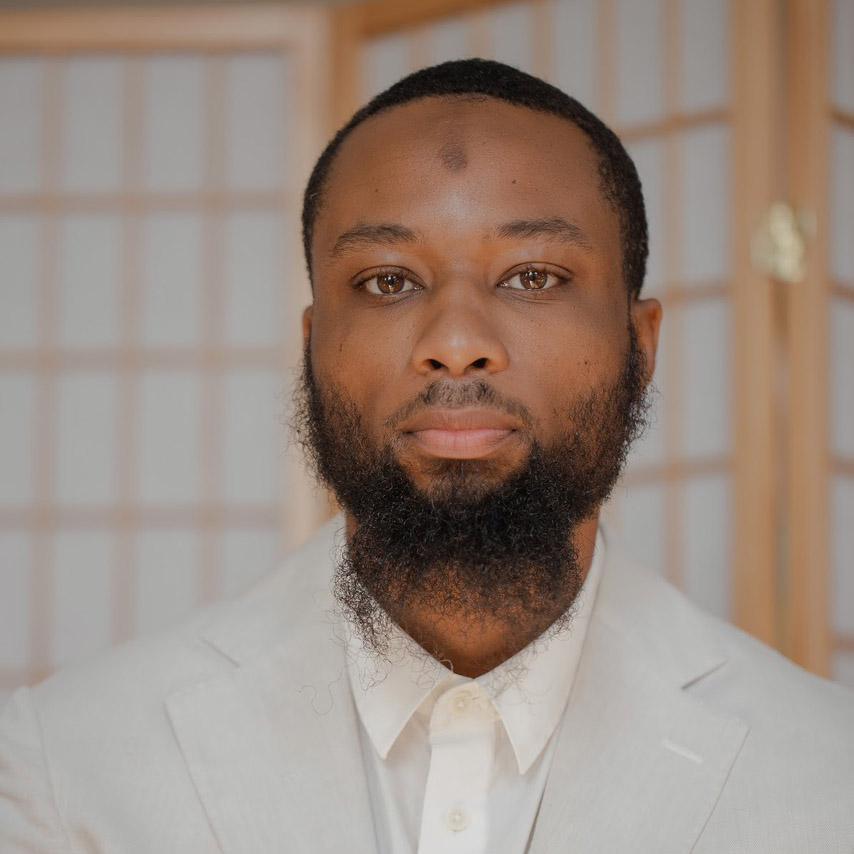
(472, 642)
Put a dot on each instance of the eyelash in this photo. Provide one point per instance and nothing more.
(561, 278)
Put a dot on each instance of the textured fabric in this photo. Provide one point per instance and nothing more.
(238, 734)
(459, 764)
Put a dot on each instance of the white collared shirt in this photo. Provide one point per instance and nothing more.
(457, 764)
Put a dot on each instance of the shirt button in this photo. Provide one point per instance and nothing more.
(461, 703)
(458, 819)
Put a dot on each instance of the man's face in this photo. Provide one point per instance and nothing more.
(474, 368)
(462, 240)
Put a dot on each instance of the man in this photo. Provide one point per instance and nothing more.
(493, 675)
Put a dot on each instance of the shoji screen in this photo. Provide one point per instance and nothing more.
(658, 72)
(151, 289)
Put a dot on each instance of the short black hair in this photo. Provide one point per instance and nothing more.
(481, 77)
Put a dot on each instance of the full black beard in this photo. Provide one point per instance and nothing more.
(468, 547)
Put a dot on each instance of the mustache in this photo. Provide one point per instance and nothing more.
(458, 394)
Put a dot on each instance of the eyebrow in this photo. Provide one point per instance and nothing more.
(553, 227)
(365, 234)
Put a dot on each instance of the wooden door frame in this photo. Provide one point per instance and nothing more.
(809, 636)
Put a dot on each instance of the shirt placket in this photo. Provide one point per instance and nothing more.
(462, 744)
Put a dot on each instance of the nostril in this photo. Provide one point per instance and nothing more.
(479, 363)
(435, 364)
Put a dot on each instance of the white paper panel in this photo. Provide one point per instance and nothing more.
(705, 204)
(15, 587)
(173, 137)
(169, 424)
(842, 205)
(843, 668)
(171, 279)
(257, 96)
(447, 39)
(707, 543)
(841, 551)
(649, 155)
(253, 278)
(640, 61)
(253, 436)
(642, 518)
(85, 437)
(574, 49)
(17, 434)
(92, 116)
(246, 556)
(384, 61)
(704, 54)
(511, 30)
(89, 280)
(19, 249)
(842, 63)
(21, 86)
(707, 380)
(83, 566)
(166, 580)
(5, 698)
(842, 377)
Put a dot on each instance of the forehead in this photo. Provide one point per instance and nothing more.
(418, 147)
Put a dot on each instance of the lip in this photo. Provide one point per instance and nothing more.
(462, 434)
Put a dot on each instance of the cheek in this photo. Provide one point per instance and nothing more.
(359, 359)
(573, 352)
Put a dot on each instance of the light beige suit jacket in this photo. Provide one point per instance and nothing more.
(237, 734)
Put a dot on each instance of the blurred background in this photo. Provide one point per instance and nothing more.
(152, 159)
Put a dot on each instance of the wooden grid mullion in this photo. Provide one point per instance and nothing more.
(44, 440)
(416, 43)
(841, 465)
(673, 122)
(125, 360)
(208, 570)
(542, 39)
(130, 516)
(841, 290)
(301, 507)
(842, 117)
(674, 402)
(479, 33)
(606, 75)
(142, 359)
(244, 26)
(756, 122)
(808, 452)
(136, 201)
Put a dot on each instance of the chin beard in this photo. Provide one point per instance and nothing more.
(470, 546)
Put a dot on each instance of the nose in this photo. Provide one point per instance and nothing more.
(458, 336)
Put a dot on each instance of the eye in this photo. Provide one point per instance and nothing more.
(388, 283)
(532, 279)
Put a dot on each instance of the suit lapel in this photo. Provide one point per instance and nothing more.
(276, 763)
(639, 765)
(272, 744)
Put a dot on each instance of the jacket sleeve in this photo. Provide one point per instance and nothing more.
(29, 818)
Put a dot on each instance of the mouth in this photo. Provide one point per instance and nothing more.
(461, 434)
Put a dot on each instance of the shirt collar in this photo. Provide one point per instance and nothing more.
(529, 691)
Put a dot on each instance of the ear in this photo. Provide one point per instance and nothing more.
(306, 324)
(646, 316)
